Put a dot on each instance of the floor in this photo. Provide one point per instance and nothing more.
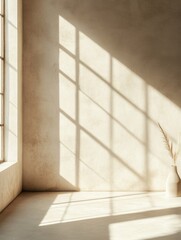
(91, 216)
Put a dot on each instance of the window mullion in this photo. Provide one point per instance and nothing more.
(2, 80)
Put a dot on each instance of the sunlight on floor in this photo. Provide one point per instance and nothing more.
(149, 228)
(92, 215)
(69, 207)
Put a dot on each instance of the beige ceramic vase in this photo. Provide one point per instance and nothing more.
(172, 182)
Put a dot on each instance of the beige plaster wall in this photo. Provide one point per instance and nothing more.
(98, 76)
(11, 169)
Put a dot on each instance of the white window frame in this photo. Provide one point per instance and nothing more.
(2, 78)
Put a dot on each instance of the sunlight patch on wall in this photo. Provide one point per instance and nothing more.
(67, 164)
(67, 64)
(93, 159)
(67, 133)
(129, 84)
(67, 95)
(67, 35)
(116, 112)
(94, 119)
(124, 112)
(94, 56)
(99, 94)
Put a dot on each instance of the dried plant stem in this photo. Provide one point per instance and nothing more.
(169, 145)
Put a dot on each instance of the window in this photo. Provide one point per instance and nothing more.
(2, 76)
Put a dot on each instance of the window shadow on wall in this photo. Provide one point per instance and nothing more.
(111, 111)
(98, 81)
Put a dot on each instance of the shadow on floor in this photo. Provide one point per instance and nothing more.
(22, 220)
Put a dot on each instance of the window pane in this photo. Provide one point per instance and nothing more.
(1, 144)
(1, 35)
(1, 109)
(1, 75)
(1, 6)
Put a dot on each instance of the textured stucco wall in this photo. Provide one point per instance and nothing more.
(11, 169)
(98, 76)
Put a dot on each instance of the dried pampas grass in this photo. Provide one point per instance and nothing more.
(169, 145)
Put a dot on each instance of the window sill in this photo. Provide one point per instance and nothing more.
(5, 165)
